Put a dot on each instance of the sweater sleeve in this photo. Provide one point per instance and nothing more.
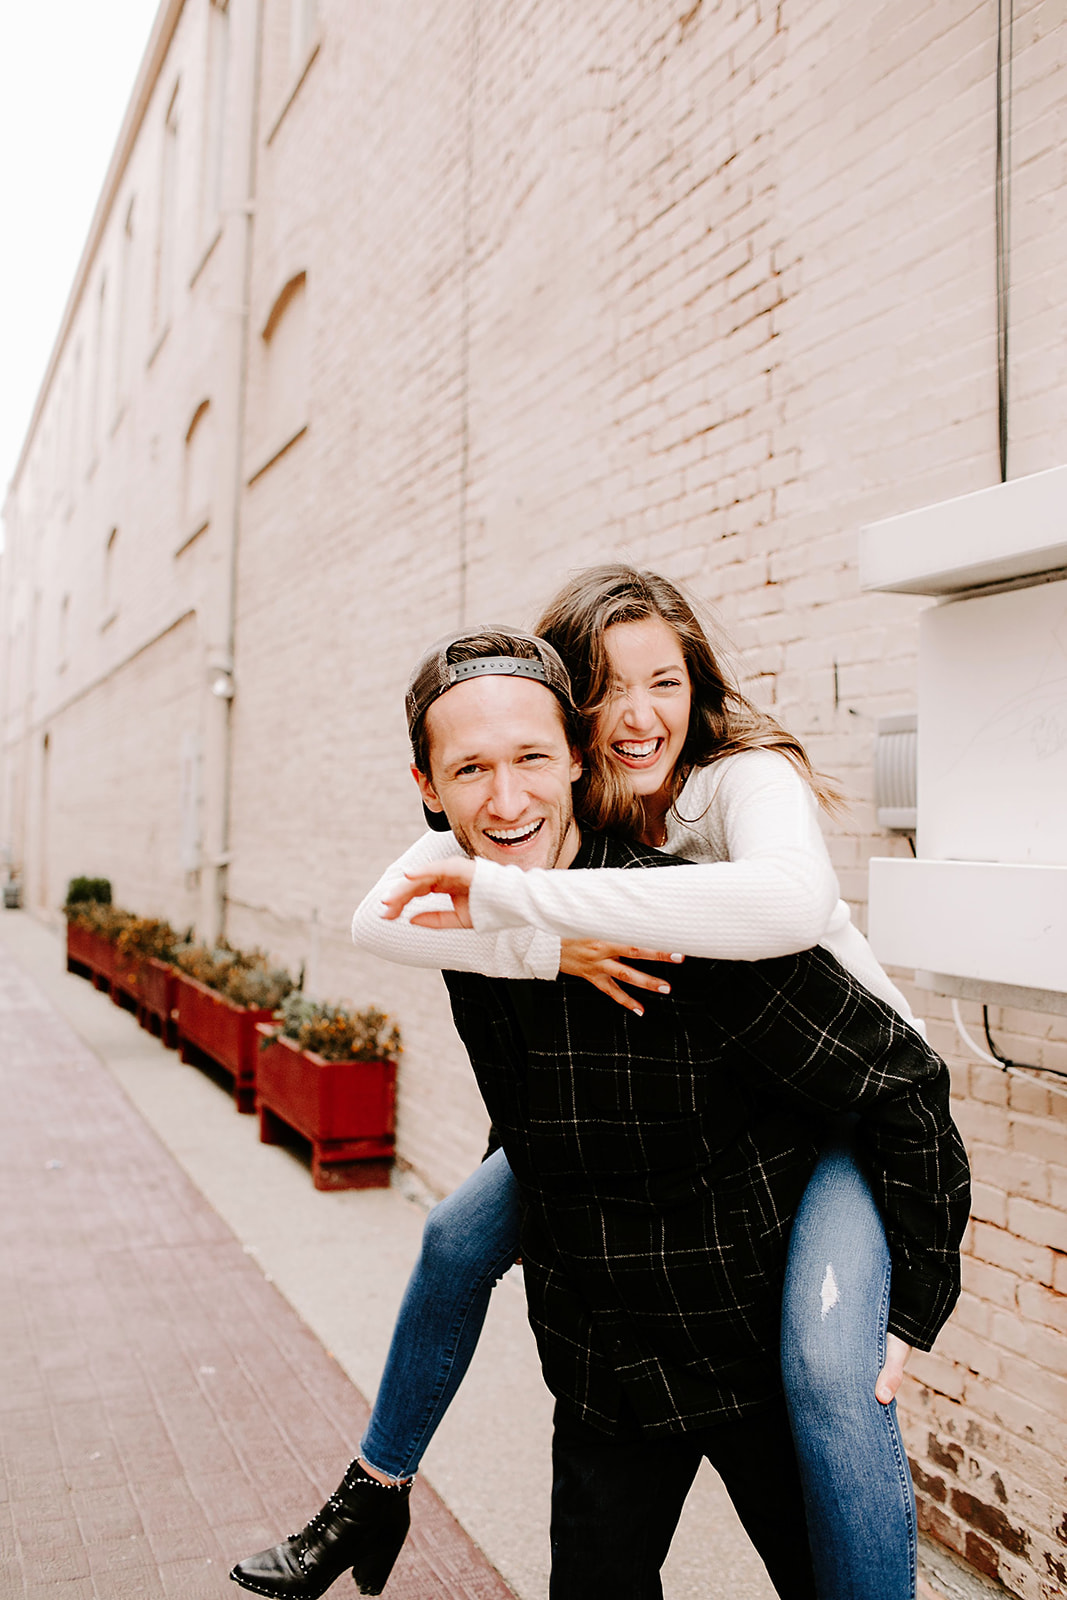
(773, 896)
(519, 952)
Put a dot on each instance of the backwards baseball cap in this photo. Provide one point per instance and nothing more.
(479, 653)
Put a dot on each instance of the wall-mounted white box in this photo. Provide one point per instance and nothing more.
(997, 535)
(985, 902)
(992, 750)
(999, 923)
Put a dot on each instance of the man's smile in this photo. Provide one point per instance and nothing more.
(509, 838)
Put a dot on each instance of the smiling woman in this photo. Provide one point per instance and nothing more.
(644, 722)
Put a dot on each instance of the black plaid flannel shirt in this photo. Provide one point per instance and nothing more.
(661, 1160)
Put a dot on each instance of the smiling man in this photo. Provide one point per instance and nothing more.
(660, 1157)
(505, 753)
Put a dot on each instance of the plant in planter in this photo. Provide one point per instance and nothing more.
(93, 927)
(144, 975)
(81, 891)
(221, 995)
(328, 1073)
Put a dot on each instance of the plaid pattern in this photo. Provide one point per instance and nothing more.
(661, 1160)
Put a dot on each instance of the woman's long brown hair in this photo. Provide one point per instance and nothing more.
(722, 721)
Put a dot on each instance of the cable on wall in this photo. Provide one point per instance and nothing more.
(992, 1057)
(1003, 220)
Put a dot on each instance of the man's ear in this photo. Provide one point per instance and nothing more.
(426, 789)
(577, 767)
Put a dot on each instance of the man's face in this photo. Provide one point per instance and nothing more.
(501, 770)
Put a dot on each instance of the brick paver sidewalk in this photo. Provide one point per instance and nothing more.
(164, 1411)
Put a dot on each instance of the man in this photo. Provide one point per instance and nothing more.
(660, 1160)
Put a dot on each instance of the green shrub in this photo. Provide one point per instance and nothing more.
(80, 890)
(337, 1033)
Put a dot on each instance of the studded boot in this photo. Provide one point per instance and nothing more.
(362, 1525)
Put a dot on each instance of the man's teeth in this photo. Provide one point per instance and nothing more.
(514, 835)
(635, 750)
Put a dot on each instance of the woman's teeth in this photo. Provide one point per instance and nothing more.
(513, 836)
(634, 750)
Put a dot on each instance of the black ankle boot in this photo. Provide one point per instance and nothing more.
(362, 1526)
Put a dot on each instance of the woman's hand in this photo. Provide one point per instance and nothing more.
(453, 877)
(896, 1354)
(601, 965)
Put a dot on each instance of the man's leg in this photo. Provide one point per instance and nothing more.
(753, 1456)
(615, 1506)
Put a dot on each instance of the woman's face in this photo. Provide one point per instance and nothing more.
(644, 722)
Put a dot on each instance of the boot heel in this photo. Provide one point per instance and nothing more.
(371, 1573)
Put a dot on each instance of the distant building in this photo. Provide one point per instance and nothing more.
(391, 315)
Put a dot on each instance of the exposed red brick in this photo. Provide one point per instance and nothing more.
(982, 1556)
(990, 1520)
(946, 1456)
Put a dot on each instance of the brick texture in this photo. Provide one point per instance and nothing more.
(707, 288)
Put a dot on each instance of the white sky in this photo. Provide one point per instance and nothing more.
(69, 68)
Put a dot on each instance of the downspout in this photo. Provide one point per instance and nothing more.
(1002, 200)
(463, 552)
(222, 603)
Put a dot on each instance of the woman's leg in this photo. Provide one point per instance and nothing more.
(468, 1243)
(857, 1486)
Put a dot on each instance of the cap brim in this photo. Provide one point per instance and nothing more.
(435, 819)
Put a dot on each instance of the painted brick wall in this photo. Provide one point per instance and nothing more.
(707, 289)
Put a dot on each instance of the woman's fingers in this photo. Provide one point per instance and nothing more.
(889, 1379)
(608, 986)
(637, 978)
(599, 964)
(398, 898)
(453, 877)
(439, 919)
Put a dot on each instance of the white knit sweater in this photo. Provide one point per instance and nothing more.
(763, 886)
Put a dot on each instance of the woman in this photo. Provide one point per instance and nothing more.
(679, 759)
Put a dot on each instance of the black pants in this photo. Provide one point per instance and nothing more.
(616, 1504)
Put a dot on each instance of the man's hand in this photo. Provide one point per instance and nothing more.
(453, 877)
(896, 1354)
(601, 965)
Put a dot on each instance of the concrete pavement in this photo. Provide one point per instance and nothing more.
(190, 1330)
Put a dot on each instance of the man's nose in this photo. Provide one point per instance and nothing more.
(508, 795)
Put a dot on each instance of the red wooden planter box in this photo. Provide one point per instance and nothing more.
(104, 962)
(223, 1031)
(347, 1109)
(81, 948)
(126, 979)
(157, 996)
(89, 949)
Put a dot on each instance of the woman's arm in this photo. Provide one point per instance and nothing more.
(520, 952)
(775, 894)
(514, 953)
